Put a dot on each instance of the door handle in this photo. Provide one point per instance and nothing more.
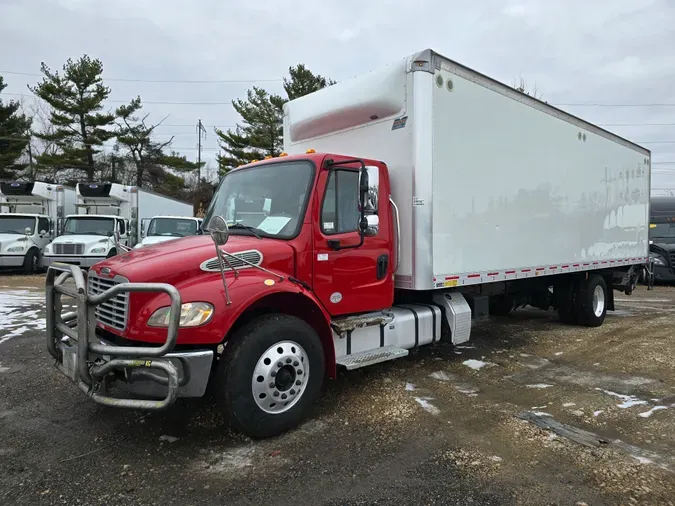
(334, 244)
(382, 265)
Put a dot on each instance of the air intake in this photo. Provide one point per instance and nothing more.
(252, 256)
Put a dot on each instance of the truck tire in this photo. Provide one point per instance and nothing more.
(270, 375)
(31, 264)
(111, 253)
(591, 301)
(565, 295)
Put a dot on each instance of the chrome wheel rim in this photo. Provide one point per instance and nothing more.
(598, 301)
(280, 377)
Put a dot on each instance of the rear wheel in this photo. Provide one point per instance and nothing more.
(565, 295)
(591, 301)
(270, 375)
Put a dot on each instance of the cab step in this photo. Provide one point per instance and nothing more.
(370, 357)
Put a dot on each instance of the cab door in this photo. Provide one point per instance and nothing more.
(349, 278)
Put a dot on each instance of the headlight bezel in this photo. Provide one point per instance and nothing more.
(98, 250)
(193, 314)
(20, 248)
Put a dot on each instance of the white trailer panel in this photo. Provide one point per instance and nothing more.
(491, 184)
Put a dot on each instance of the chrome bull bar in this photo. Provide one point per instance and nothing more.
(82, 361)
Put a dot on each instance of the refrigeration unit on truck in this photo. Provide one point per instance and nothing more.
(166, 228)
(408, 201)
(108, 215)
(32, 213)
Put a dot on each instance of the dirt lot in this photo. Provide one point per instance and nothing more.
(441, 427)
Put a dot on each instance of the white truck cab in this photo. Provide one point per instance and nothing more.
(31, 216)
(166, 228)
(104, 209)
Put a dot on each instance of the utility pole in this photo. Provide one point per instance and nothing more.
(30, 159)
(114, 171)
(200, 131)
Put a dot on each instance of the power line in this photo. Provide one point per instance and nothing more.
(161, 102)
(615, 105)
(183, 81)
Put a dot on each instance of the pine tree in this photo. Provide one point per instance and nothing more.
(76, 99)
(152, 164)
(14, 136)
(261, 131)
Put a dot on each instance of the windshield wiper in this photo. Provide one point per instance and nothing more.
(253, 230)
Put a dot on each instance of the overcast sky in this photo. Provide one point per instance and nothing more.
(577, 52)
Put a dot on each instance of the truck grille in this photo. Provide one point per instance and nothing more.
(113, 312)
(68, 249)
(672, 259)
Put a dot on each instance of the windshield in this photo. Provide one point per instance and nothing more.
(662, 231)
(270, 198)
(16, 224)
(172, 227)
(83, 225)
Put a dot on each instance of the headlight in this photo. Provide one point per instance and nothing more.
(48, 248)
(192, 314)
(15, 249)
(658, 261)
(98, 250)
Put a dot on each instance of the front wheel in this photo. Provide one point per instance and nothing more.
(270, 375)
(31, 263)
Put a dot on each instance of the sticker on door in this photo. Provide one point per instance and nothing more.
(335, 297)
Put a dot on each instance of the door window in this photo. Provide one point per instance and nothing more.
(43, 224)
(340, 209)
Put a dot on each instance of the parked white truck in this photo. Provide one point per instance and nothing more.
(410, 201)
(31, 216)
(165, 228)
(104, 209)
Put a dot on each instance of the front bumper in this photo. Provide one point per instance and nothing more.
(12, 260)
(156, 373)
(664, 274)
(70, 260)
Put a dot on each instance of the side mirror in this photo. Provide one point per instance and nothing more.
(27, 231)
(363, 188)
(219, 230)
(43, 232)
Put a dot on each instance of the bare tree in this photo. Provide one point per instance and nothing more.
(521, 85)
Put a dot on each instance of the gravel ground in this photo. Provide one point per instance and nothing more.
(438, 427)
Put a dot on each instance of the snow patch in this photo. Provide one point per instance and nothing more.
(539, 385)
(596, 413)
(475, 364)
(649, 413)
(569, 404)
(427, 406)
(628, 400)
(17, 314)
(440, 376)
(410, 387)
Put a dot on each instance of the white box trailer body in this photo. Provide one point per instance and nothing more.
(31, 216)
(491, 183)
(102, 208)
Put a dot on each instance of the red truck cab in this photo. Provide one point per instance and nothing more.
(306, 243)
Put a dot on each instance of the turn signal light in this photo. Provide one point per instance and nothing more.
(310, 151)
(283, 154)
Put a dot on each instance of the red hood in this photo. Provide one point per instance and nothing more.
(180, 259)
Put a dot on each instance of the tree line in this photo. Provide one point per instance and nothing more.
(61, 138)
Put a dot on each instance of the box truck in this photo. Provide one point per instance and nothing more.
(166, 228)
(108, 214)
(409, 202)
(31, 216)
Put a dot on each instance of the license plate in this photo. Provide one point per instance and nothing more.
(69, 365)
